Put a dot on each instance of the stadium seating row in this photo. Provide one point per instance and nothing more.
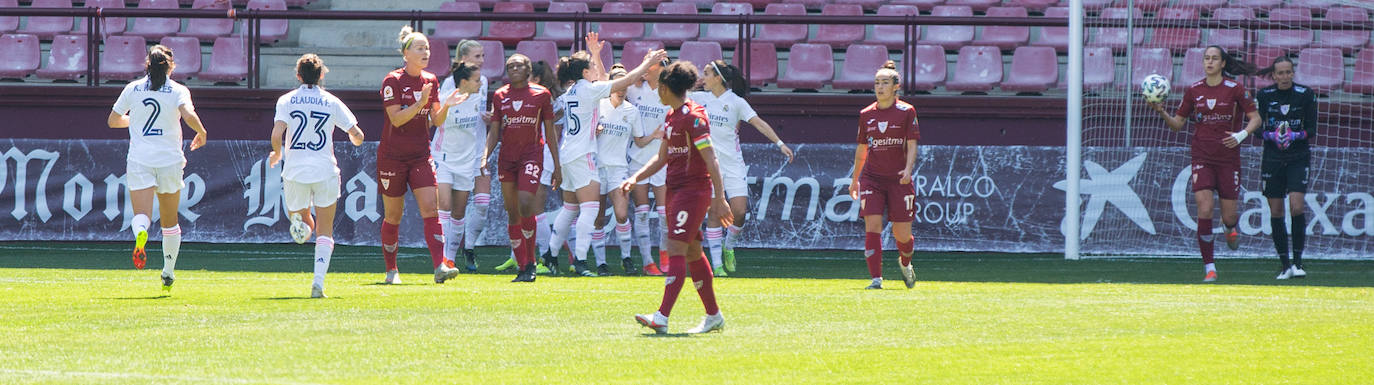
(122, 58)
(47, 27)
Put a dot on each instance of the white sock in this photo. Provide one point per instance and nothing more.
(732, 233)
(622, 232)
(1211, 267)
(599, 245)
(586, 221)
(476, 219)
(541, 233)
(641, 230)
(450, 236)
(140, 223)
(171, 246)
(562, 225)
(714, 235)
(662, 228)
(459, 226)
(324, 249)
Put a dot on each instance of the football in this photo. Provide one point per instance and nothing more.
(1155, 88)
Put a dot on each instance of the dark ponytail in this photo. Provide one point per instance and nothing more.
(1269, 71)
(463, 71)
(732, 76)
(678, 77)
(1233, 66)
(159, 63)
(310, 67)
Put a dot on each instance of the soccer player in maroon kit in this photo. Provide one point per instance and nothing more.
(1214, 105)
(518, 110)
(888, 131)
(410, 97)
(692, 178)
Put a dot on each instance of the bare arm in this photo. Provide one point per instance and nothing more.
(911, 151)
(860, 156)
(189, 115)
(117, 120)
(551, 140)
(355, 136)
(656, 163)
(633, 77)
(1174, 122)
(594, 47)
(400, 116)
(767, 132)
(278, 136)
(642, 141)
(493, 132)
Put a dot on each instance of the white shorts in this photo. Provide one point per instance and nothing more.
(656, 180)
(456, 173)
(735, 183)
(611, 176)
(167, 178)
(301, 196)
(578, 173)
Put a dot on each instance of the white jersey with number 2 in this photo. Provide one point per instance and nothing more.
(154, 121)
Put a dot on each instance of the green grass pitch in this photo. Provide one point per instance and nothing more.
(78, 313)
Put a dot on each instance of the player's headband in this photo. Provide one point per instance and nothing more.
(717, 69)
(409, 39)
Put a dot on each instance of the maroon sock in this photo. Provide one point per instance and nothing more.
(517, 244)
(904, 251)
(702, 278)
(1204, 238)
(873, 253)
(676, 275)
(529, 226)
(391, 235)
(434, 238)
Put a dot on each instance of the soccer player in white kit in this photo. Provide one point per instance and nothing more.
(456, 145)
(652, 114)
(619, 122)
(155, 105)
(310, 175)
(724, 102)
(578, 146)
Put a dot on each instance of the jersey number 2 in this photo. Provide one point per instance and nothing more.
(148, 129)
(314, 145)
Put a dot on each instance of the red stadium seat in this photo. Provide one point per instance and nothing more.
(1117, 37)
(1033, 69)
(619, 33)
(809, 66)
(1005, 38)
(763, 64)
(560, 32)
(924, 5)
(949, 36)
(809, 4)
(758, 4)
(838, 35)
(538, 4)
(273, 30)
(1262, 57)
(675, 33)
(1363, 80)
(1032, 5)
(111, 25)
(701, 4)
(66, 58)
(976, 5)
(868, 5)
(1323, 69)
(543, 50)
(511, 32)
(1288, 38)
(1317, 7)
(861, 61)
(440, 58)
(1091, 5)
(123, 58)
(228, 61)
(1151, 61)
(186, 51)
(9, 23)
(1229, 38)
(699, 52)
(208, 29)
(590, 3)
(782, 35)
(892, 35)
(634, 51)
(931, 68)
(1346, 40)
(1260, 6)
(21, 56)
(458, 30)
(493, 59)
(1057, 37)
(45, 27)
(1144, 5)
(1099, 68)
(1204, 6)
(1177, 38)
(726, 34)
(155, 28)
(979, 69)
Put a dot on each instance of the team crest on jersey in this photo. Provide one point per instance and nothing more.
(882, 127)
(388, 94)
(1211, 104)
(517, 104)
(386, 183)
(725, 108)
(903, 106)
(418, 94)
(1283, 109)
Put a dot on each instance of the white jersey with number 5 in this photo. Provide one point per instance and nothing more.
(726, 112)
(311, 115)
(579, 132)
(154, 121)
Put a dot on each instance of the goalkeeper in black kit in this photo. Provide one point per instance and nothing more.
(1289, 113)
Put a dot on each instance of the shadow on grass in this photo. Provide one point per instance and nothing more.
(140, 298)
(666, 335)
(303, 297)
(753, 263)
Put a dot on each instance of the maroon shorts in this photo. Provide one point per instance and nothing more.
(524, 173)
(686, 210)
(395, 175)
(1219, 177)
(878, 195)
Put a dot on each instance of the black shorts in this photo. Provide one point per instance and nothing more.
(1282, 177)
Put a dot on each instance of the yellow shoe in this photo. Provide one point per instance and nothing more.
(140, 256)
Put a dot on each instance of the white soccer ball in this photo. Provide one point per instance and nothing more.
(1155, 88)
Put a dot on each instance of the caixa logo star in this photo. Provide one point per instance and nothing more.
(1103, 187)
